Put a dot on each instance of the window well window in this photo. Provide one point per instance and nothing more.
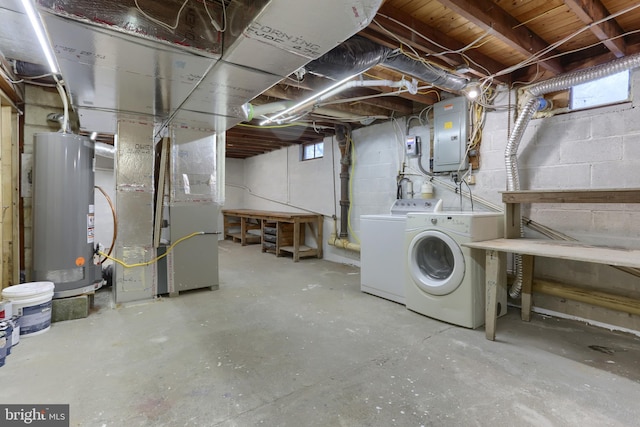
(314, 150)
(608, 90)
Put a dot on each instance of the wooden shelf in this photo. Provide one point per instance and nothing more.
(303, 251)
(562, 249)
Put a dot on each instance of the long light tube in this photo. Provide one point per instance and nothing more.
(307, 100)
(34, 19)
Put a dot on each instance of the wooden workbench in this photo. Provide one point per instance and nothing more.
(289, 239)
(496, 250)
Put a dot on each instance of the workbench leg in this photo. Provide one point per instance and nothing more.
(319, 238)
(296, 240)
(527, 281)
(243, 230)
(494, 281)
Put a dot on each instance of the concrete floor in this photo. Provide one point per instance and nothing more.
(298, 344)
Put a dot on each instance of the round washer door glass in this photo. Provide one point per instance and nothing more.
(436, 262)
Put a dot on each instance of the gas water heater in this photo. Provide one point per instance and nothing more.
(64, 213)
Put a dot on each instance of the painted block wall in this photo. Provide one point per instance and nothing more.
(598, 148)
(280, 181)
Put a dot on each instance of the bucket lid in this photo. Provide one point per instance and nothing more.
(27, 289)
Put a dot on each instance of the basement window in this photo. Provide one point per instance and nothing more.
(608, 90)
(312, 150)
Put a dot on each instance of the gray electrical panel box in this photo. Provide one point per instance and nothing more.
(450, 134)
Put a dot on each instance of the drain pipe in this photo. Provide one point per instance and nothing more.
(533, 102)
(343, 137)
(343, 243)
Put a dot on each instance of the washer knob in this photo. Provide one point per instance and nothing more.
(434, 221)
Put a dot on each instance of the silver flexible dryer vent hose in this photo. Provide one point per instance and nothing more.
(532, 95)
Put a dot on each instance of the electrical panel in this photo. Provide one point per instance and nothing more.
(412, 146)
(450, 134)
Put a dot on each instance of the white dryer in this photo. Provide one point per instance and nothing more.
(382, 254)
(445, 280)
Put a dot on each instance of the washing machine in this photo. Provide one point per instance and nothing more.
(445, 280)
(382, 254)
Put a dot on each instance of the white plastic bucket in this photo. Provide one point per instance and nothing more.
(31, 301)
(6, 309)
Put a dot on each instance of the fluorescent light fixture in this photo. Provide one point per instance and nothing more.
(307, 100)
(36, 23)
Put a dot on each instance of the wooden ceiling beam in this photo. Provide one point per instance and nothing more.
(278, 135)
(387, 16)
(498, 23)
(609, 32)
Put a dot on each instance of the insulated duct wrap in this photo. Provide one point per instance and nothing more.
(135, 204)
(359, 54)
(193, 167)
(425, 72)
(354, 56)
(193, 30)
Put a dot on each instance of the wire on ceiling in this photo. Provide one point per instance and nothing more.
(531, 60)
(177, 21)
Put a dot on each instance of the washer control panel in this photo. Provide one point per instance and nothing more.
(404, 206)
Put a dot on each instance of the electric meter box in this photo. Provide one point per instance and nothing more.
(412, 146)
(450, 134)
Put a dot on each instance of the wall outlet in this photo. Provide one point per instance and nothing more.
(471, 179)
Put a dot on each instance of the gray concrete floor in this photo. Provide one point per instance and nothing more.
(298, 344)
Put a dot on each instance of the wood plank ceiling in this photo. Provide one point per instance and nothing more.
(508, 42)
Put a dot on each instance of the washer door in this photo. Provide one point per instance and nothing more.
(436, 263)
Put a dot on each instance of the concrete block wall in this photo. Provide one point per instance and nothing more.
(596, 148)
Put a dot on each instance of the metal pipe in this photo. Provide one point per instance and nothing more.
(286, 110)
(343, 137)
(105, 150)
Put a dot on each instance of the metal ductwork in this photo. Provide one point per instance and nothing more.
(531, 104)
(359, 54)
(116, 61)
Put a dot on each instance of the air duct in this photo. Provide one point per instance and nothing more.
(359, 54)
(354, 56)
(531, 104)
